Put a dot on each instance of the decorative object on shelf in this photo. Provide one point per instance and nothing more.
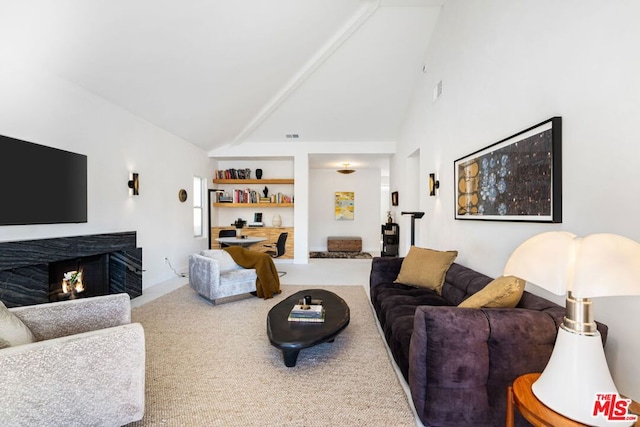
(394, 198)
(259, 173)
(346, 170)
(516, 179)
(389, 218)
(265, 191)
(344, 205)
(134, 184)
(182, 195)
(434, 184)
(597, 265)
(276, 221)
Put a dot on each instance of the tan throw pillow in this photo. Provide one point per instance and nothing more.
(505, 292)
(426, 268)
(12, 330)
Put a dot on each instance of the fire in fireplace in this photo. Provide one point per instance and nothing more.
(72, 283)
(79, 278)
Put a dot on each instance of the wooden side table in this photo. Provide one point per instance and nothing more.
(520, 396)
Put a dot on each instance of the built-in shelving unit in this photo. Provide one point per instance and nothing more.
(226, 196)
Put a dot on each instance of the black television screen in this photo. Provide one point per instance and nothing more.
(41, 185)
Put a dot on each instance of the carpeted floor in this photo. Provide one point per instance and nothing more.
(340, 254)
(214, 366)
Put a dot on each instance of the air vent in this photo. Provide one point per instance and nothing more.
(292, 136)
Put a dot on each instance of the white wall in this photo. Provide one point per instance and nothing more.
(506, 66)
(324, 183)
(49, 111)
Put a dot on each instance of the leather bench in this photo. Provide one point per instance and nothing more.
(344, 244)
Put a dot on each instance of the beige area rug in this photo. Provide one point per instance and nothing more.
(214, 366)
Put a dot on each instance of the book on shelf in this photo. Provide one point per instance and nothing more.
(233, 173)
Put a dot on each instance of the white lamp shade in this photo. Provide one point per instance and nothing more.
(594, 266)
(606, 265)
(543, 261)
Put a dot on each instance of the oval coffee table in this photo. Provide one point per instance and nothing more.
(291, 337)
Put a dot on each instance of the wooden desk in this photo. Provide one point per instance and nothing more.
(270, 233)
(521, 396)
(244, 241)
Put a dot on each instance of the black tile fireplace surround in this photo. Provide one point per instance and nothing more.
(24, 265)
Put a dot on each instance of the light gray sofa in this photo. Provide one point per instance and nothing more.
(87, 367)
(214, 275)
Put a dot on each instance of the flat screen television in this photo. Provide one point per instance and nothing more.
(41, 185)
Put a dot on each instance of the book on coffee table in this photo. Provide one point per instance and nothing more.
(312, 310)
(294, 318)
(306, 313)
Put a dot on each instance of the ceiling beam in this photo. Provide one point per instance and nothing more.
(341, 36)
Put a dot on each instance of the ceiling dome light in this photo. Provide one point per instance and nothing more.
(346, 169)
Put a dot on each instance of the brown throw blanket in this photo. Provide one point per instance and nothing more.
(268, 282)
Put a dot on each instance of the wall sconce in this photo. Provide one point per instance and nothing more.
(434, 184)
(134, 184)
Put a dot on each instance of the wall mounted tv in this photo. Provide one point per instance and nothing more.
(41, 185)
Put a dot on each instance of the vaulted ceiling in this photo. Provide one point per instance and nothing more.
(217, 72)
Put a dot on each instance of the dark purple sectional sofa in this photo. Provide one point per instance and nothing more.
(458, 362)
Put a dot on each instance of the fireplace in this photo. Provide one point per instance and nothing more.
(32, 271)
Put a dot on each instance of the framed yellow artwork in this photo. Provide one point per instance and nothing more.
(344, 205)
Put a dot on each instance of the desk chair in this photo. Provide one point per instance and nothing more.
(226, 233)
(279, 248)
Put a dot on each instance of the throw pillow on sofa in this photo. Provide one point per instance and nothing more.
(503, 292)
(426, 268)
(223, 257)
(12, 331)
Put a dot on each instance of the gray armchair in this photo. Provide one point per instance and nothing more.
(87, 366)
(214, 275)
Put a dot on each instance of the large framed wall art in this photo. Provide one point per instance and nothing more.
(516, 179)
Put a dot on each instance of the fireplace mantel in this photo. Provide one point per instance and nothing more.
(24, 265)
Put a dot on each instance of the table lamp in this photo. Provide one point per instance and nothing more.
(582, 268)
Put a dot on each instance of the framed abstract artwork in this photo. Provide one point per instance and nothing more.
(516, 179)
(344, 205)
